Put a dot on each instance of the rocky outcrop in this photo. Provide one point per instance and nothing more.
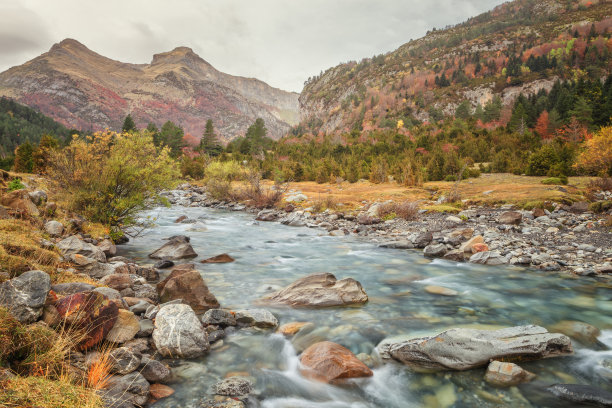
(25, 295)
(320, 290)
(177, 247)
(178, 333)
(462, 349)
(331, 362)
(187, 285)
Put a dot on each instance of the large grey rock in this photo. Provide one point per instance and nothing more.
(510, 217)
(219, 317)
(422, 240)
(74, 246)
(256, 317)
(154, 371)
(462, 349)
(25, 295)
(54, 228)
(434, 250)
(177, 247)
(123, 360)
(70, 288)
(179, 333)
(488, 258)
(131, 388)
(320, 290)
(582, 395)
(38, 196)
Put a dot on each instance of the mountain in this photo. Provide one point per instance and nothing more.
(522, 46)
(85, 90)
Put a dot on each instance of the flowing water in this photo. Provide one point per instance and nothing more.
(270, 255)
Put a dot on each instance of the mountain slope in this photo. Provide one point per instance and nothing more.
(521, 46)
(88, 91)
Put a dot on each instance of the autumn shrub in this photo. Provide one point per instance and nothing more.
(255, 194)
(111, 177)
(596, 155)
(193, 167)
(219, 176)
(321, 204)
(407, 210)
(596, 185)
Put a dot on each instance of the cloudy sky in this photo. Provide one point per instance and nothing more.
(282, 42)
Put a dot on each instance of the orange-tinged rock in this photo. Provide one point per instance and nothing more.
(479, 247)
(289, 329)
(331, 362)
(159, 391)
(223, 258)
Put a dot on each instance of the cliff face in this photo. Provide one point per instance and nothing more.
(85, 90)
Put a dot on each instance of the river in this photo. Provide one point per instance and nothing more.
(270, 255)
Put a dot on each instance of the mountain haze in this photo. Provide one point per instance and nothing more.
(85, 90)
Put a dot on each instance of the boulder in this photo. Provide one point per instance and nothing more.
(38, 196)
(188, 285)
(117, 281)
(289, 329)
(125, 328)
(219, 317)
(488, 258)
(19, 201)
(331, 362)
(70, 288)
(123, 360)
(54, 228)
(177, 247)
(320, 290)
(25, 295)
(579, 207)
(467, 245)
(223, 258)
(365, 219)
(178, 333)
(154, 371)
(582, 395)
(510, 218)
(163, 264)
(479, 248)
(463, 349)
(233, 387)
(503, 374)
(267, 215)
(434, 250)
(256, 317)
(91, 312)
(538, 212)
(108, 247)
(423, 239)
(455, 255)
(74, 246)
(132, 388)
(583, 332)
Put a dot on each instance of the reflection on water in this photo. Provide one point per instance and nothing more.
(270, 255)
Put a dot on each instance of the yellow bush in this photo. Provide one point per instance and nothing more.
(596, 158)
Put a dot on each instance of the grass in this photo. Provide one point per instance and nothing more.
(442, 208)
(40, 392)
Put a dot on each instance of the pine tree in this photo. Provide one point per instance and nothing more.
(209, 142)
(24, 162)
(128, 125)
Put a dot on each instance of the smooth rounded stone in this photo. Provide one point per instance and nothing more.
(320, 290)
(117, 281)
(140, 307)
(178, 333)
(123, 360)
(453, 219)
(400, 244)
(289, 329)
(233, 387)
(507, 374)
(132, 388)
(463, 348)
(583, 332)
(163, 264)
(154, 371)
(582, 394)
(267, 215)
(95, 269)
(510, 218)
(488, 258)
(219, 317)
(467, 245)
(223, 258)
(70, 288)
(331, 362)
(160, 391)
(125, 328)
(108, 247)
(261, 318)
(440, 290)
(25, 295)
(108, 292)
(177, 247)
(456, 255)
(423, 239)
(434, 250)
(187, 284)
(145, 328)
(75, 246)
(54, 228)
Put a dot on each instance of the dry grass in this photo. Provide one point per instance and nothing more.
(328, 202)
(407, 210)
(99, 371)
(40, 392)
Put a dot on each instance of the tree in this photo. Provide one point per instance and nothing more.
(543, 126)
(596, 158)
(24, 162)
(171, 135)
(209, 142)
(128, 124)
(464, 110)
(41, 154)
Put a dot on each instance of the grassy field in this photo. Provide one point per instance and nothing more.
(488, 189)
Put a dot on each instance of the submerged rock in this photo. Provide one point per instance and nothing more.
(507, 374)
(330, 362)
(582, 394)
(177, 247)
(25, 295)
(583, 332)
(233, 387)
(320, 290)
(178, 333)
(223, 258)
(462, 349)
